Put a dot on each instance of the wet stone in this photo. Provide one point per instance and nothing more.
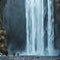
(28, 58)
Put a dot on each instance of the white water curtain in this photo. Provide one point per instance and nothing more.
(36, 11)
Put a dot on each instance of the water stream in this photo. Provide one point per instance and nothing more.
(40, 27)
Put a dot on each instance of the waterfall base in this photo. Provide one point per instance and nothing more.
(28, 58)
(46, 53)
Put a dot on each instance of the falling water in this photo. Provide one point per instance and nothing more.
(36, 12)
(34, 26)
(50, 27)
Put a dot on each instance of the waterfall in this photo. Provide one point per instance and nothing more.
(40, 27)
(34, 27)
(50, 27)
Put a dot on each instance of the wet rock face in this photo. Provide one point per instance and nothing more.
(2, 5)
(57, 24)
(15, 24)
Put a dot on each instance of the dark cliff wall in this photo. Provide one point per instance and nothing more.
(14, 22)
(57, 24)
